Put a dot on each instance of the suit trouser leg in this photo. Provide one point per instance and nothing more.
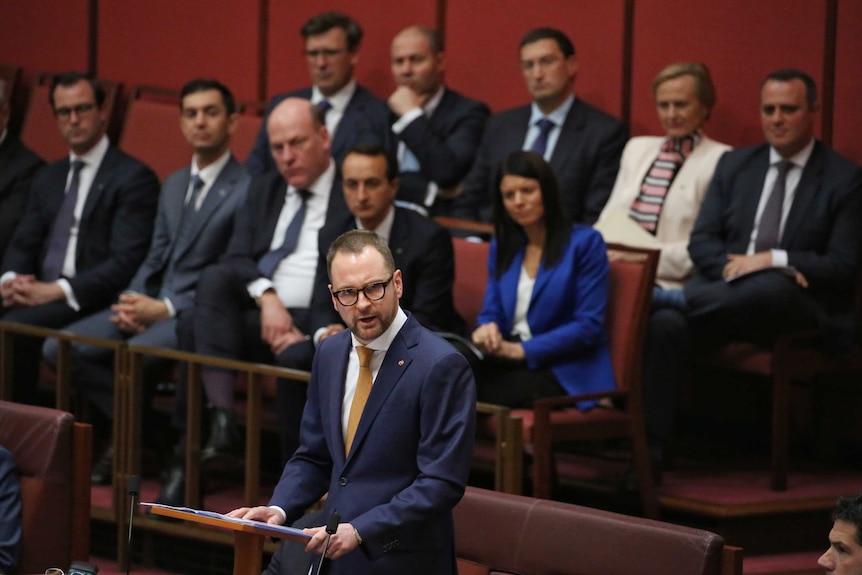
(757, 308)
(664, 370)
(291, 396)
(27, 351)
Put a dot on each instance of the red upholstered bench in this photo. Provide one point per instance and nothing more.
(503, 533)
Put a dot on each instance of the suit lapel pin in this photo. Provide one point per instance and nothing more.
(400, 362)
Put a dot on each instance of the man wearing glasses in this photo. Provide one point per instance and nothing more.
(582, 143)
(388, 429)
(353, 114)
(254, 303)
(422, 250)
(85, 231)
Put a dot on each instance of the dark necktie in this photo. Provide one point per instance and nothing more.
(58, 241)
(324, 106)
(770, 220)
(540, 144)
(269, 262)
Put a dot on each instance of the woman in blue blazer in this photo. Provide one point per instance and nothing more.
(542, 325)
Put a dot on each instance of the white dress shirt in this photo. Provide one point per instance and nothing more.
(558, 117)
(779, 257)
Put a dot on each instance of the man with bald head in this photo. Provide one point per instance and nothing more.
(438, 129)
(254, 303)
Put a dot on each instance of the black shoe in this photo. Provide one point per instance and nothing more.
(225, 440)
(173, 483)
(103, 471)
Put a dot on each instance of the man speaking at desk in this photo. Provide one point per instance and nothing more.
(387, 428)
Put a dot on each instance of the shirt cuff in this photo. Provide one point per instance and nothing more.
(8, 276)
(779, 258)
(70, 295)
(281, 511)
(406, 119)
(172, 312)
(258, 286)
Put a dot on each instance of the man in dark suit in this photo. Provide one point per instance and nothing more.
(776, 247)
(17, 167)
(438, 129)
(10, 513)
(254, 303)
(387, 430)
(422, 250)
(582, 144)
(85, 231)
(353, 114)
(194, 221)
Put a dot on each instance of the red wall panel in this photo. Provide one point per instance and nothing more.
(44, 35)
(380, 21)
(483, 43)
(847, 119)
(741, 41)
(166, 43)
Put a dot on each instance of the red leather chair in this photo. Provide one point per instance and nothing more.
(52, 454)
(151, 131)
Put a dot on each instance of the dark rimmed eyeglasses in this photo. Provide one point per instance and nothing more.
(79, 110)
(372, 292)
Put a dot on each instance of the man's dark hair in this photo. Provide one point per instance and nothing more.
(788, 74)
(205, 85)
(375, 150)
(355, 242)
(536, 34)
(849, 509)
(68, 79)
(322, 23)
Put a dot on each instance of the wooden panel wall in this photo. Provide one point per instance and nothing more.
(740, 41)
(254, 46)
(45, 35)
(166, 43)
(847, 119)
(483, 39)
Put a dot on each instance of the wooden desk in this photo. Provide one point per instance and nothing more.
(248, 538)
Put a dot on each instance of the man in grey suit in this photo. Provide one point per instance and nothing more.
(194, 221)
(582, 144)
(438, 129)
(351, 112)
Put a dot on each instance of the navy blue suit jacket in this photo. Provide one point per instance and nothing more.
(422, 251)
(822, 234)
(444, 144)
(410, 458)
(586, 160)
(10, 512)
(17, 167)
(366, 120)
(114, 232)
(566, 313)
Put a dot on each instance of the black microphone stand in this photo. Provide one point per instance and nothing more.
(331, 528)
(132, 486)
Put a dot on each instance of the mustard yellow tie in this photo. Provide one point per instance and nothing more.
(363, 389)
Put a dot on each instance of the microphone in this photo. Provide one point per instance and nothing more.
(133, 484)
(331, 528)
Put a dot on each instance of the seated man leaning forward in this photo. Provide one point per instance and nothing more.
(844, 556)
(387, 430)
